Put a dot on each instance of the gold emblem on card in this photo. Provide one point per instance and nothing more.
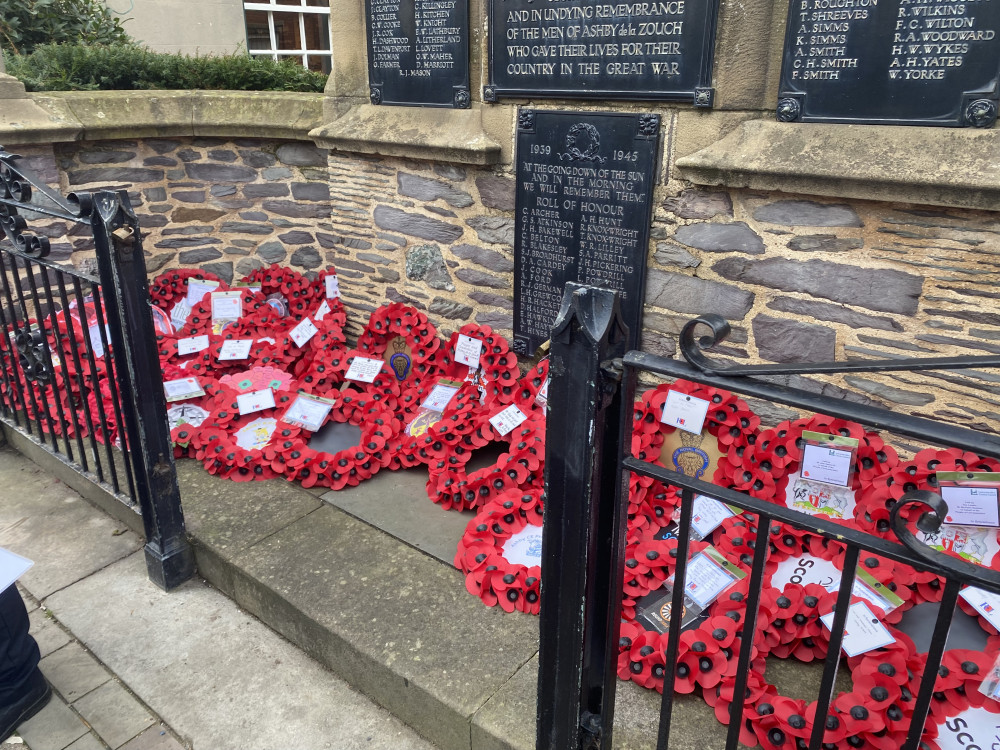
(694, 455)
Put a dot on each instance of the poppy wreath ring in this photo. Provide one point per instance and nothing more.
(480, 556)
(520, 467)
(349, 466)
(398, 320)
(729, 420)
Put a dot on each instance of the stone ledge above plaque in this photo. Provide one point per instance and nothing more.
(434, 134)
(895, 62)
(869, 162)
(579, 49)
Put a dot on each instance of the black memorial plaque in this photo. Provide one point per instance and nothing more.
(892, 62)
(583, 205)
(655, 49)
(418, 52)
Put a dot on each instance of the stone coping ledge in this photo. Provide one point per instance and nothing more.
(61, 116)
(433, 133)
(937, 166)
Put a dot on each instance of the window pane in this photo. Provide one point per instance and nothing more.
(258, 37)
(286, 31)
(317, 32)
(319, 3)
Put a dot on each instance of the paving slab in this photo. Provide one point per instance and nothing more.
(52, 728)
(46, 632)
(87, 742)
(46, 521)
(153, 739)
(73, 672)
(217, 676)
(114, 714)
(396, 502)
(232, 515)
(394, 622)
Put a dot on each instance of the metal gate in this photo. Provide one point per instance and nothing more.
(588, 462)
(79, 373)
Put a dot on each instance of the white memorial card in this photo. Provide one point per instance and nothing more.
(255, 401)
(707, 513)
(685, 412)
(704, 580)
(439, 398)
(863, 632)
(308, 411)
(227, 306)
(332, 286)
(192, 345)
(821, 463)
(468, 350)
(984, 602)
(197, 289)
(364, 370)
(178, 390)
(971, 506)
(303, 332)
(508, 419)
(322, 311)
(235, 349)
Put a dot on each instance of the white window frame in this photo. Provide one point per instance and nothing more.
(303, 52)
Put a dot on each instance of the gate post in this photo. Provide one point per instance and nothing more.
(169, 557)
(584, 531)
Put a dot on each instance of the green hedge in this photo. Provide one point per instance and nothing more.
(82, 67)
(24, 24)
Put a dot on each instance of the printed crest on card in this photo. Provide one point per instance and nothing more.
(819, 498)
(694, 455)
(424, 420)
(972, 543)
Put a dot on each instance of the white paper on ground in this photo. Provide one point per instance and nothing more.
(13, 567)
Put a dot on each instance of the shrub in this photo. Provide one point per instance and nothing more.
(24, 24)
(74, 67)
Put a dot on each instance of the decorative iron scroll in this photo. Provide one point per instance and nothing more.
(17, 186)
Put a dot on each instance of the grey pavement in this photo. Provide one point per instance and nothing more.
(138, 669)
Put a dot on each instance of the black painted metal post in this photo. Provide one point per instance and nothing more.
(584, 532)
(169, 557)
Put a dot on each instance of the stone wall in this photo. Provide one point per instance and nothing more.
(228, 206)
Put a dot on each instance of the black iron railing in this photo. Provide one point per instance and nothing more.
(588, 463)
(79, 372)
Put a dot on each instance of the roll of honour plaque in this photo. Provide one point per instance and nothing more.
(583, 206)
(418, 52)
(894, 62)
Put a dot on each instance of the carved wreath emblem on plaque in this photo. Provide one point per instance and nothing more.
(462, 99)
(526, 120)
(583, 143)
(375, 94)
